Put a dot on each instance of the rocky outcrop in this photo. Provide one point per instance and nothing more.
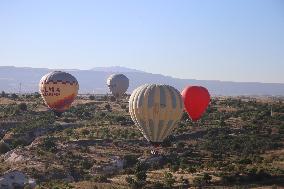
(15, 155)
(15, 179)
(116, 164)
(29, 136)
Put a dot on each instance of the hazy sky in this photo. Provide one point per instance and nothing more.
(232, 40)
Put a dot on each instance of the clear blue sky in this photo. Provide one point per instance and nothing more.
(232, 40)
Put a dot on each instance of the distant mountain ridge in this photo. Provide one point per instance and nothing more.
(14, 79)
(115, 69)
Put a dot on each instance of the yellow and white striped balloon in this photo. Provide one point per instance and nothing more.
(155, 109)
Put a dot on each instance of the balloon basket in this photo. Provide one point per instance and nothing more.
(156, 148)
(154, 152)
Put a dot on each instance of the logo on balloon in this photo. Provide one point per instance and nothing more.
(50, 91)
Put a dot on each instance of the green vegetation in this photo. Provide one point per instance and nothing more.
(4, 148)
(237, 142)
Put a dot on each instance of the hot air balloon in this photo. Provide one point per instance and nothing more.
(58, 90)
(118, 84)
(196, 100)
(155, 109)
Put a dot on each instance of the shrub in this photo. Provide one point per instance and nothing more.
(174, 168)
(245, 161)
(102, 114)
(85, 132)
(4, 148)
(185, 182)
(49, 144)
(129, 180)
(100, 178)
(85, 164)
(180, 145)
(130, 160)
(18, 142)
(207, 178)
(14, 96)
(37, 95)
(157, 185)
(184, 116)
(3, 94)
(134, 184)
(191, 170)
(120, 119)
(169, 180)
(112, 99)
(92, 97)
(140, 176)
(23, 106)
(108, 107)
(198, 181)
(27, 187)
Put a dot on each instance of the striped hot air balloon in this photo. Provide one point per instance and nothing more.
(155, 109)
(58, 90)
(118, 84)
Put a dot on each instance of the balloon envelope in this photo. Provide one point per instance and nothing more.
(58, 90)
(118, 84)
(155, 109)
(196, 100)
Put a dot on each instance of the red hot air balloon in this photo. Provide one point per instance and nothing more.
(196, 100)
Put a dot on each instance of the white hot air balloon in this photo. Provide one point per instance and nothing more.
(118, 84)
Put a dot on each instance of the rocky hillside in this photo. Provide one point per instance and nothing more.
(238, 141)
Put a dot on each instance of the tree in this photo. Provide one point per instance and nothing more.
(36, 95)
(207, 178)
(4, 148)
(85, 132)
(132, 183)
(174, 168)
(222, 122)
(23, 106)
(112, 99)
(199, 182)
(14, 96)
(108, 107)
(85, 164)
(184, 116)
(92, 97)
(3, 94)
(130, 160)
(49, 144)
(140, 171)
(100, 178)
(140, 174)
